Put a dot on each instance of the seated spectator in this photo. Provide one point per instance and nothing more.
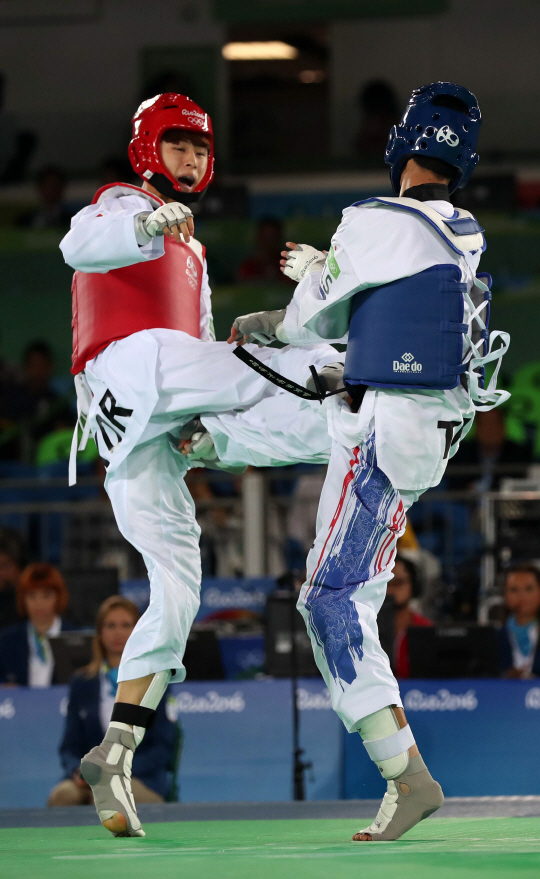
(91, 699)
(403, 588)
(52, 211)
(116, 169)
(263, 264)
(11, 555)
(488, 448)
(379, 110)
(519, 647)
(32, 401)
(25, 653)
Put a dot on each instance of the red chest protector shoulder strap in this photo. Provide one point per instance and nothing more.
(160, 293)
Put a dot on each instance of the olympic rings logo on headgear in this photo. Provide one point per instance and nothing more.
(195, 120)
(446, 134)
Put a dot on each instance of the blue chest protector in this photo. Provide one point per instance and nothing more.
(409, 333)
(412, 332)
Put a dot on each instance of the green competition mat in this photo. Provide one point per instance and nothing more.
(444, 848)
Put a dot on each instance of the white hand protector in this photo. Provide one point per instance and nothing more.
(263, 327)
(201, 447)
(303, 260)
(151, 225)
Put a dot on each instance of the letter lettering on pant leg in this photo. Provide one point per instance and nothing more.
(448, 426)
(111, 412)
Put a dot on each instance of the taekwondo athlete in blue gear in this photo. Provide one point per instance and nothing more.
(400, 285)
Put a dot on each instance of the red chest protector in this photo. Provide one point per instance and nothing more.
(159, 293)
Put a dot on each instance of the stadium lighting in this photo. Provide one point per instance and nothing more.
(269, 50)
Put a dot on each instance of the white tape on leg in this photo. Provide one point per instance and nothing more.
(391, 746)
(152, 698)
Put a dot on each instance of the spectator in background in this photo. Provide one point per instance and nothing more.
(379, 111)
(32, 400)
(91, 700)
(16, 147)
(116, 169)
(519, 647)
(488, 448)
(25, 653)
(11, 563)
(403, 588)
(263, 264)
(7, 129)
(52, 212)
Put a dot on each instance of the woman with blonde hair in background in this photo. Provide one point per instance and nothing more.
(91, 699)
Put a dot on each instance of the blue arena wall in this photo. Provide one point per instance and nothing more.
(238, 740)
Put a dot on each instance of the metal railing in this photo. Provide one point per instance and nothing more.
(458, 527)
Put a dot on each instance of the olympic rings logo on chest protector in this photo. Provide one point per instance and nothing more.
(445, 133)
(191, 272)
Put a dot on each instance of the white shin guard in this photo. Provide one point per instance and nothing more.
(152, 698)
(386, 743)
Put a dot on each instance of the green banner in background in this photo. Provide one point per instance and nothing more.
(238, 11)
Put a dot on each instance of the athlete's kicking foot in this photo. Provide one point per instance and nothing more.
(410, 798)
(107, 769)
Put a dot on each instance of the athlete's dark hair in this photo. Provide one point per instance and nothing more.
(176, 135)
(436, 166)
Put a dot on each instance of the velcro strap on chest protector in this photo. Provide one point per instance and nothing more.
(409, 333)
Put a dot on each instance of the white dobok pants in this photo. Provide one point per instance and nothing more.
(362, 512)
(144, 388)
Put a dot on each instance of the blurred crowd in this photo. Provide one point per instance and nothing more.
(437, 576)
(444, 539)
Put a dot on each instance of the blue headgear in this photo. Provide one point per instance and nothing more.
(428, 128)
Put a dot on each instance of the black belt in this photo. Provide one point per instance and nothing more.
(286, 383)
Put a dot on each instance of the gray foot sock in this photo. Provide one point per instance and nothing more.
(107, 769)
(410, 797)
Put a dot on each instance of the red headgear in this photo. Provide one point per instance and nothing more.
(153, 118)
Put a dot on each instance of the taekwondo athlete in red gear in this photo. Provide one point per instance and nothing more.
(400, 287)
(145, 363)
